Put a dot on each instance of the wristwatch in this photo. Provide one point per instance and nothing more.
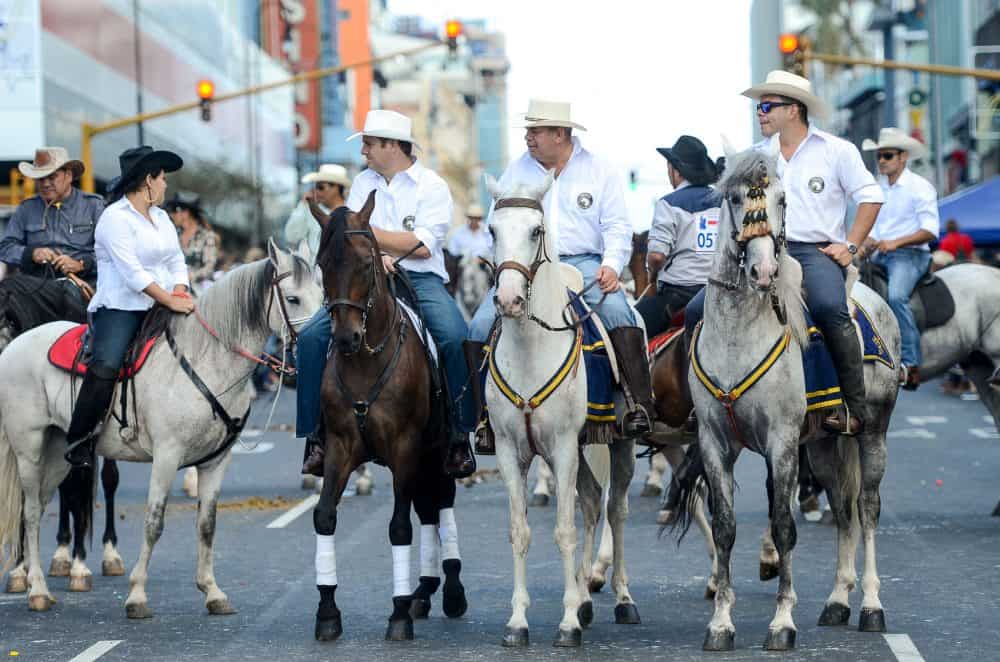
(852, 248)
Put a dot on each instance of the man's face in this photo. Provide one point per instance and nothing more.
(777, 118)
(544, 143)
(56, 186)
(328, 194)
(377, 152)
(891, 161)
(475, 222)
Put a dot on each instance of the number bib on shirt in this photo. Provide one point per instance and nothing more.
(708, 231)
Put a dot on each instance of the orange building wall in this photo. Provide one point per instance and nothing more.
(354, 46)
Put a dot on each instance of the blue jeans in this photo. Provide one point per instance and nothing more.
(905, 266)
(614, 312)
(444, 323)
(112, 331)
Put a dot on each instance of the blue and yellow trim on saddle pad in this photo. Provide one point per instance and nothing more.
(600, 379)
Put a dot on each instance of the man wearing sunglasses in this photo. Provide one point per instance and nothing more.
(907, 221)
(330, 184)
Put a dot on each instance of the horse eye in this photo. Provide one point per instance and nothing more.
(735, 198)
(294, 300)
(536, 232)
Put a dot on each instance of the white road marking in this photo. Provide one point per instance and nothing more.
(254, 449)
(985, 433)
(96, 651)
(902, 647)
(918, 433)
(924, 420)
(988, 419)
(294, 512)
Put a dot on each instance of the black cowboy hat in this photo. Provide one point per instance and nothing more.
(185, 200)
(131, 160)
(690, 157)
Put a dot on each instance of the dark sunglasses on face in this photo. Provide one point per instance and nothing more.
(887, 156)
(321, 186)
(766, 106)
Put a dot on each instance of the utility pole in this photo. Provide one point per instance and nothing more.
(137, 54)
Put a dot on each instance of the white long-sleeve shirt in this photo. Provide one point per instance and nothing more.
(910, 205)
(132, 253)
(589, 214)
(822, 173)
(417, 200)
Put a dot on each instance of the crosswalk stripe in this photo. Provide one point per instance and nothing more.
(903, 648)
(294, 512)
(96, 651)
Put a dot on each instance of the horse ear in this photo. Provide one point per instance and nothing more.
(492, 185)
(727, 148)
(318, 214)
(305, 251)
(274, 254)
(366, 212)
(546, 184)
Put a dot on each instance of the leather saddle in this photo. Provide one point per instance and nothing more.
(931, 302)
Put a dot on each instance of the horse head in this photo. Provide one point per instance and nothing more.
(294, 292)
(520, 242)
(352, 273)
(753, 212)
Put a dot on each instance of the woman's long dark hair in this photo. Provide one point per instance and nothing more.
(133, 182)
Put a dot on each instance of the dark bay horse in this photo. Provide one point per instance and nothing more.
(379, 403)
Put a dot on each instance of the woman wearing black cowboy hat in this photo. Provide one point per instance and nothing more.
(198, 241)
(139, 264)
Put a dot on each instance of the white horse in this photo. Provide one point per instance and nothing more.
(542, 369)
(172, 424)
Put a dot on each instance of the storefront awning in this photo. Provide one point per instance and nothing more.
(977, 210)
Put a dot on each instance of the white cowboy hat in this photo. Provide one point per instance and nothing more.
(549, 113)
(474, 210)
(387, 124)
(789, 85)
(47, 161)
(892, 138)
(329, 172)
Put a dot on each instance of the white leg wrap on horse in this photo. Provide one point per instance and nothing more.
(400, 570)
(430, 545)
(449, 535)
(326, 561)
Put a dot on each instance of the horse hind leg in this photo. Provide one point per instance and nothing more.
(770, 562)
(209, 486)
(364, 482)
(17, 578)
(781, 631)
(39, 597)
(542, 493)
(605, 556)
(653, 487)
(622, 470)
(111, 563)
(78, 489)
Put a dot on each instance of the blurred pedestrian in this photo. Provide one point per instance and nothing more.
(198, 240)
(958, 243)
(330, 187)
(472, 238)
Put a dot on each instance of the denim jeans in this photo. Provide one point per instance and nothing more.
(905, 266)
(112, 331)
(614, 312)
(444, 323)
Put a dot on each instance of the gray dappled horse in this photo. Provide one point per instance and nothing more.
(173, 424)
(753, 316)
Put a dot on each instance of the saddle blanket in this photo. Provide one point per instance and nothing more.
(658, 344)
(65, 353)
(418, 326)
(600, 379)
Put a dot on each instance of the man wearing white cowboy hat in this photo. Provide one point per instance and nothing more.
(818, 171)
(472, 237)
(413, 207)
(899, 242)
(586, 206)
(330, 184)
(50, 237)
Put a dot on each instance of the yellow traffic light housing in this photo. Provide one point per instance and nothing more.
(452, 31)
(793, 49)
(206, 92)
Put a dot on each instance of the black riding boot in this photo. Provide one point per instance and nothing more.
(485, 441)
(460, 463)
(314, 456)
(630, 347)
(846, 354)
(91, 407)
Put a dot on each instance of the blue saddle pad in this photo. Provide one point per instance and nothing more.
(600, 379)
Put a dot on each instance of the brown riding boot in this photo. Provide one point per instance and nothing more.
(314, 456)
(485, 441)
(630, 348)
(846, 354)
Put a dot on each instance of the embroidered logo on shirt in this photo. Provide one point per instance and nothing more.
(816, 184)
(409, 222)
(584, 200)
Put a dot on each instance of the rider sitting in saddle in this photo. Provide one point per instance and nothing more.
(50, 238)
(684, 230)
(330, 185)
(898, 243)
(413, 211)
(586, 208)
(818, 171)
(139, 264)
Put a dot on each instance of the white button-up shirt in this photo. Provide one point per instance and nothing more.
(910, 205)
(589, 213)
(133, 253)
(466, 241)
(822, 173)
(417, 200)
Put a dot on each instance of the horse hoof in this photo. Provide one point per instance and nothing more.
(595, 583)
(114, 568)
(585, 613)
(723, 640)
(709, 593)
(329, 629)
(420, 608)
(453, 601)
(650, 490)
(309, 483)
(515, 637)
(872, 620)
(834, 614)
(401, 630)
(665, 517)
(59, 568)
(40, 603)
(768, 571)
(539, 500)
(780, 640)
(138, 610)
(17, 584)
(81, 584)
(568, 638)
(220, 607)
(627, 614)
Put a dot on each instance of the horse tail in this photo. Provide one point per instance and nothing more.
(685, 489)
(848, 475)
(11, 505)
(598, 458)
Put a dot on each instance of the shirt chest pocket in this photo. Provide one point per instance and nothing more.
(81, 233)
(36, 233)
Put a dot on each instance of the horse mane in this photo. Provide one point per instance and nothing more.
(335, 232)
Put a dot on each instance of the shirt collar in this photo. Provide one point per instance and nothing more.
(811, 132)
(414, 171)
(684, 184)
(126, 203)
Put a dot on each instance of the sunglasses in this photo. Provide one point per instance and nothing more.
(322, 186)
(887, 156)
(766, 106)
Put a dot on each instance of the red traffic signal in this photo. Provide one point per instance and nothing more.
(206, 89)
(788, 43)
(793, 53)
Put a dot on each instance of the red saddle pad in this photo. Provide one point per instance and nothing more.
(660, 341)
(66, 348)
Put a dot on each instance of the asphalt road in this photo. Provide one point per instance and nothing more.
(938, 552)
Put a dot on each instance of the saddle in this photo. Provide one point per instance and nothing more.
(71, 353)
(931, 302)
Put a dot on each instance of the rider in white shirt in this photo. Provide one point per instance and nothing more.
(472, 238)
(330, 184)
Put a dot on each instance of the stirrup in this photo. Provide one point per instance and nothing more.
(79, 462)
(486, 443)
(639, 409)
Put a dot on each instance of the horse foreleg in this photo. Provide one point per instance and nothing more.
(401, 538)
(160, 479)
(622, 470)
(209, 486)
(840, 478)
(674, 456)
(784, 462)
(653, 486)
(565, 463)
(591, 494)
(425, 503)
(605, 555)
(453, 600)
(542, 493)
(872, 456)
(62, 560)
(111, 564)
(721, 633)
(338, 469)
(515, 474)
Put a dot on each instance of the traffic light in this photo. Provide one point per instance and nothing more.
(206, 92)
(633, 179)
(452, 31)
(792, 48)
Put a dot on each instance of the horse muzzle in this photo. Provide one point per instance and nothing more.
(347, 341)
(514, 307)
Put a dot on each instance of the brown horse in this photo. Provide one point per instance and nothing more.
(380, 403)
